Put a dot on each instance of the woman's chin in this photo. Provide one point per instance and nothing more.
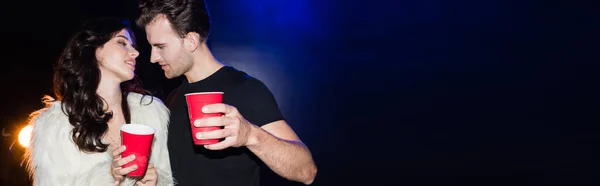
(127, 77)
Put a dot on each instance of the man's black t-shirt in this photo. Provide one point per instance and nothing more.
(196, 166)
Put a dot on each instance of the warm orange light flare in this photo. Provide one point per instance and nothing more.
(25, 135)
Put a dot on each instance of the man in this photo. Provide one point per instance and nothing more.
(254, 128)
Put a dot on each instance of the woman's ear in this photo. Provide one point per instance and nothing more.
(99, 53)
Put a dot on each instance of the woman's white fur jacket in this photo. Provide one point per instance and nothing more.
(53, 159)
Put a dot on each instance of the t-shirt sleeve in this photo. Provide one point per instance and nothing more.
(260, 107)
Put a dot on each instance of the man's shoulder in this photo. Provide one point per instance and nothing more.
(243, 80)
(236, 76)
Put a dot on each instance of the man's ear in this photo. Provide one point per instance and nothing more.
(191, 41)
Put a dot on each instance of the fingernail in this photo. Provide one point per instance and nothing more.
(204, 109)
(135, 167)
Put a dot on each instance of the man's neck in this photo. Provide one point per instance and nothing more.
(204, 65)
(111, 93)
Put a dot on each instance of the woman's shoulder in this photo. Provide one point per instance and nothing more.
(147, 105)
(50, 126)
(149, 110)
(142, 100)
(51, 115)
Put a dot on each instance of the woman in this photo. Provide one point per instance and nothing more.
(96, 92)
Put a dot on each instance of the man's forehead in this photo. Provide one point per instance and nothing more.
(158, 29)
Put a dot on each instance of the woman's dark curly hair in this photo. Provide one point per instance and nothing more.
(76, 79)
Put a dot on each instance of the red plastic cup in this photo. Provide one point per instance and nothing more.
(138, 141)
(195, 102)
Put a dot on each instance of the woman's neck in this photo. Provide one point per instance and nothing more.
(111, 93)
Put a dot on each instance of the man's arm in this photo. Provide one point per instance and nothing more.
(263, 131)
(278, 146)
